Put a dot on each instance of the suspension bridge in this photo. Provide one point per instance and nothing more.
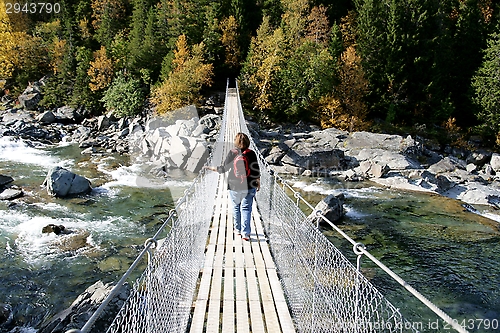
(288, 278)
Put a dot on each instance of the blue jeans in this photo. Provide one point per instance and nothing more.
(242, 209)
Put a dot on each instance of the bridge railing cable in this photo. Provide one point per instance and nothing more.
(325, 291)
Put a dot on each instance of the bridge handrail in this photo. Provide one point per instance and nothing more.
(359, 249)
(148, 245)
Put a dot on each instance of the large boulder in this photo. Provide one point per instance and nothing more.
(447, 164)
(210, 121)
(6, 314)
(10, 194)
(495, 162)
(314, 158)
(84, 306)
(4, 180)
(67, 115)
(367, 140)
(30, 97)
(198, 157)
(62, 183)
(46, 118)
(332, 207)
(391, 159)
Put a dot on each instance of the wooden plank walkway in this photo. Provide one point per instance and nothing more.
(239, 289)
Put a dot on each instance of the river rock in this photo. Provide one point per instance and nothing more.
(19, 116)
(367, 140)
(392, 160)
(10, 194)
(447, 164)
(6, 314)
(479, 158)
(198, 156)
(84, 306)
(46, 118)
(305, 157)
(72, 241)
(210, 121)
(57, 229)
(495, 162)
(61, 183)
(4, 180)
(103, 123)
(67, 115)
(275, 155)
(30, 97)
(332, 207)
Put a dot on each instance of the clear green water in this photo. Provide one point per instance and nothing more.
(449, 255)
(40, 276)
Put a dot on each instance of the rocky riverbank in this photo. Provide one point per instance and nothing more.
(183, 140)
(406, 163)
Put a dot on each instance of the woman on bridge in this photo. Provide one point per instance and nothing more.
(243, 182)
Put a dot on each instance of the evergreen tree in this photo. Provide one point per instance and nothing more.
(82, 94)
(469, 39)
(212, 36)
(396, 43)
(137, 31)
(486, 85)
(108, 18)
(273, 10)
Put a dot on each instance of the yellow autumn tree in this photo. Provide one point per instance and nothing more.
(100, 71)
(229, 40)
(188, 76)
(318, 28)
(18, 50)
(264, 62)
(8, 54)
(346, 108)
(294, 20)
(59, 50)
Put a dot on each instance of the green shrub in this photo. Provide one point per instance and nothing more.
(124, 97)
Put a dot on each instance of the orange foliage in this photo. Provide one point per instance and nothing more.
(185, 81)
(318, 28)
(346, 108)
(229, 39)
(100, 71)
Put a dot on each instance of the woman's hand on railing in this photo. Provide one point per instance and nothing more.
(211, 168)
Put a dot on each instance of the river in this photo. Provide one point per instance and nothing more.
(448, 254)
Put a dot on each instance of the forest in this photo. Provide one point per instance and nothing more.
(379, 65)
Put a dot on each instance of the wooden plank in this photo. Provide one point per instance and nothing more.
(228, 308)
(283, 312)
(214, 229)
(242, 323)
(214, 302)
(256, 315)
(200, 310)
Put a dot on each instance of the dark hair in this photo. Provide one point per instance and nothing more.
(242, 141)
